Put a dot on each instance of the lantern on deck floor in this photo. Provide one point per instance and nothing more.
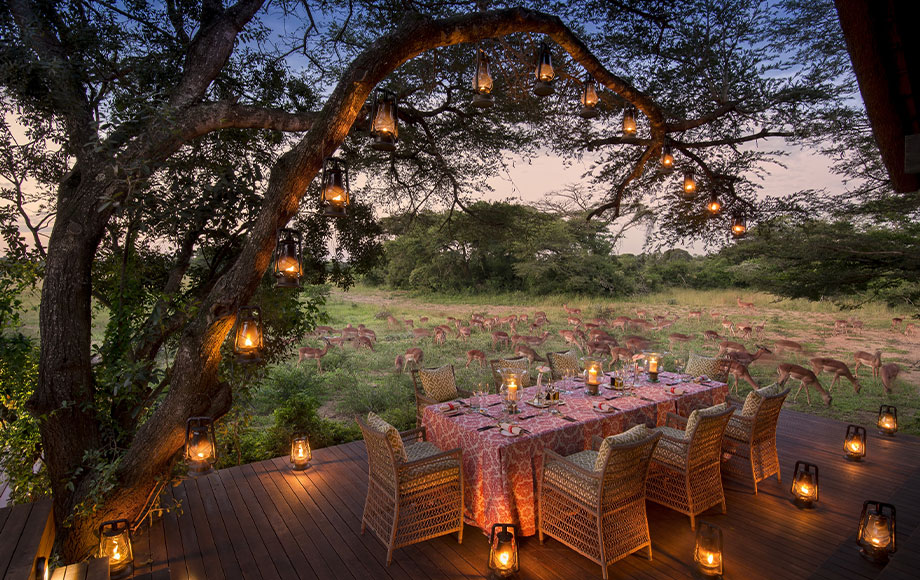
(384, 122)
(42, 569)
(887, 420)
(247, 341)
(288, 252)
(544, 72)
(300, 452)
(708, 551)
(689, 185)
(503, 551)
(589, 99)
(512, 385)
(805, 484)
(654, 362)
(482, 81)
(855, 443)
(667, 158)
(334, 197)
(200, 445)
(629, 121)
(115, 544)
(876, 536)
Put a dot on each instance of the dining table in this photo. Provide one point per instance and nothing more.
(501, 471)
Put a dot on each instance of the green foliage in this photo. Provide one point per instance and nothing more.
(299, 415)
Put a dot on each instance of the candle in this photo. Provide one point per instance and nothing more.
(653, 365)
(592, 375)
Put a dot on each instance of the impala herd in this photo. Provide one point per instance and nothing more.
(522, 333)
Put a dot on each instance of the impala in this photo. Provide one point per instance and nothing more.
(838, 367)
(317, 354)
(805, 377)
(873, 361)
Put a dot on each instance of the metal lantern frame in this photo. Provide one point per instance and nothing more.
(300, 462)
(653, 359)
(245, 316)
(739, 226)
(709, 541)
(589, 99)
(108, 532)
(714, 204)
(884, 412)
(384, 140)
(593, 388)
(289, 241)
(630, 121)
(689, 185)
(809, 471)
(543, 86)
(517, 376)
(854, 432)
(667, 158)
(197, 428)
(503, 535)
(875, 511)
(483, 98)
(333, 166)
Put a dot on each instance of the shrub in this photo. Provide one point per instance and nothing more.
(299, 415)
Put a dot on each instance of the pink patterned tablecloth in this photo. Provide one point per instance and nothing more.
(501, 472)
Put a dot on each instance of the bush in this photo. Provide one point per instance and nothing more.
(389, 397)
(299, 415)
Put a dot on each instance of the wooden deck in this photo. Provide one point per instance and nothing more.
(264, 521)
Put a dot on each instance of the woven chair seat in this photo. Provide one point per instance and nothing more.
(428, 474)
(576, 484)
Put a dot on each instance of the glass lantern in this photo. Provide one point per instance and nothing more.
(689, 185)
(594, 372)
(288, 259)
(503, 551)
(739, 227)
(708, 551)
(654, 363)
(876, 536)
(667, 158)
(544, 73)
(512, 385)
(804, 484)
(589, 99)
(855, 443)
(482, 81)
(629, 122)
(43, 569)
(887, 420)
(384, 121)
(300, 452)
(334, 197)
(200, 446)
(247, 342)
(115, 544)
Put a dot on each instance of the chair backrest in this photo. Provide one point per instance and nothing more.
(714, 368)
(626, 469)
(438, 383)
(767, 415)
(518, 362)
(706, 439)
(381, 457)
(560, 362)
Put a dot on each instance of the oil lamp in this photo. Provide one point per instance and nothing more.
(593, 372)
(247, 344)
(335, 199)
(200, 446)
(855, 443)
(544, 73)
(300, 452)
(589, 99)
(708, 551)
(503, 551)
(629, 121)
(115, 544)
(667, 158)
(876, 536)
(654, 360)
(384, 124)
(805, 484)
(482, 81)
(714, 206)
(512, 384)
(42, 569)
(288, 252)
(689, 185)
(887, 420)
(739, 227)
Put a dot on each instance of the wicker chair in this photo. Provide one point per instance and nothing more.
(599, 510)
(520, 362)
(685, 472)
(413, 499)
(560, 362)
(435, 385)
(750, 437)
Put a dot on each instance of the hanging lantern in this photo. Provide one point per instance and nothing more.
(589, 99)
(887, 420)
(714, 206)
(629, 121)
(544, 73)
(288, 253)
(667, 158)
(247, 343)
(855, 443)
(708, 552)
(503, 551)
(739, 227)
(482, 81)
(200, 445)
(115, 544)
(876, 536)
(334, 198)
(654, 361)
(689, 185)
(300, 452)
(384, 123)
(805, 484)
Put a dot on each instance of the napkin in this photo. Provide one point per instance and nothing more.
(603, 407)
(449, 407)
(677, 391)
(510, 428)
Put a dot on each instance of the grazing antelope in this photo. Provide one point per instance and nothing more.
(758, 328)
(420, 333)
(838, 367)
(620, 322)
(896, 324)
(317, 354)
(336, 341)
(640, 324)
(728, 346)
(349, 332)
(539, 315)
(678, 337)
(476, 355)
(464, 332)
(841, 327)
(524, 350)
(788, 345)
(440, 337)
(746, 331)
(594, 346)
(573, 321)
(600, 321)
(856, 324)
(414, 355)
(598, 333)
(739, 371)
(499, 338)
(747, 358)
(910, 329)
(618, 353)
(637, 343)
(537, 340)
(571, 337)
(363, 341)
(522, 318)
(422, 319)
(728, 326)
(367, 332)
(641, 312)
(745, 305)
(873, 361)
(571, 310)
(805, 377)
(392, 322)
(889, 373)
(697, 314)
(711, 335)
(321, 330)
(477, 323)
(408, 322)
(715, 315)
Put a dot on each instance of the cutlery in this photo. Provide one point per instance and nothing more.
(567, 418)
(649, 400)
(527, 417)
(487, 427)
(493, 404)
